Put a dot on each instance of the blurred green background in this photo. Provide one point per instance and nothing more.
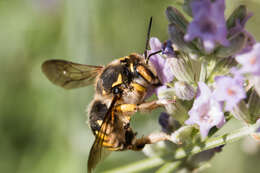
(42, 127)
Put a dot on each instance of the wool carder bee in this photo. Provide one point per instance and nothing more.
(120, 90)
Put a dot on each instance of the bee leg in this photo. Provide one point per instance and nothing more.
(150, 139)
(143, 107)
(126, 108)
(149, 106)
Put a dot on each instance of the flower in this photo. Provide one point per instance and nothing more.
(167, 48)
(206, 111)
(250, 60)
(184, 91)
(164, 71)
(230, 90)
(168, 123)
(208, 23)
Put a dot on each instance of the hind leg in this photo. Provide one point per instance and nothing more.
(150, 139)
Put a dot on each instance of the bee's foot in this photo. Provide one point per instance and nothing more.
(165, 102)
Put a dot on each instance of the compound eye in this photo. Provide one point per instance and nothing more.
(116, 90)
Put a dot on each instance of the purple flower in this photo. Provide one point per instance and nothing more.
(167, 48)
(208, 23)
(250, 61)
(206, 111)
(163, 70)
(230, 90)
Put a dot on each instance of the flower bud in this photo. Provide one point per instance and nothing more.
(254, 106)
(239, 14)
(181, 69)
(177, 38)
(256, 81)
(167, 49)
(183, 90)
(237, 43)
(177, 110)
(183, 134)
(241, 112)
(175, 17)
(158, 148)
(168, 123)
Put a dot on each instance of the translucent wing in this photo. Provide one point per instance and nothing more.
(98, 152)
(70, 75)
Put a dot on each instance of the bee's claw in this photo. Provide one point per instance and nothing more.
(163, 102)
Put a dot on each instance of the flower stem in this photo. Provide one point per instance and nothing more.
(169, 167)
(180, 153)
(215, 142)
(139, 165)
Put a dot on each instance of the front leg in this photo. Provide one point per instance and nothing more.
(143, 107)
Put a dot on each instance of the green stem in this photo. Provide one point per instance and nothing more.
(215, 142)
(180, 153)
(169, 167)
(139, 165)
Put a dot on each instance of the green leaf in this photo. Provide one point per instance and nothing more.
(239, 13)
(175, 17)
(186, 7)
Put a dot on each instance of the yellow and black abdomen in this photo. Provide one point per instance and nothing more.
(114, 136)
(97, 113)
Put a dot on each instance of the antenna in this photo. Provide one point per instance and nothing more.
(147, 43)
(148, 37)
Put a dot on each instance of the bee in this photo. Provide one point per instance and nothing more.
(120, 90)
